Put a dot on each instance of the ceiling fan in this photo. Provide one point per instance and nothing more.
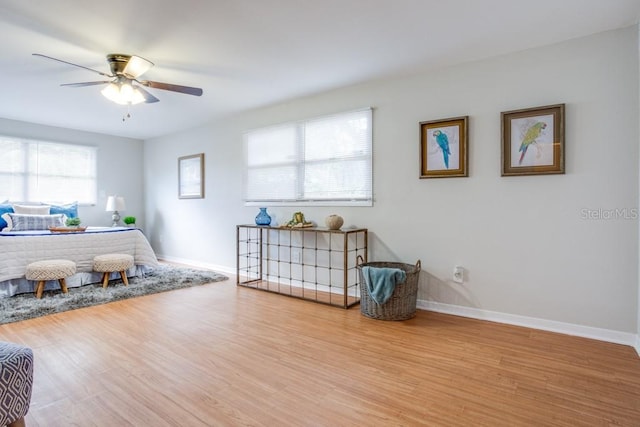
(124, 87)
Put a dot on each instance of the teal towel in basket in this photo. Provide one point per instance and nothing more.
(381, 282)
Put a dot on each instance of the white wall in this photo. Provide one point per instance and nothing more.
(119, 166)
(526, 248)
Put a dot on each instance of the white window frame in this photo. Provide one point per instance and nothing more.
(28, 174)
(298, 162)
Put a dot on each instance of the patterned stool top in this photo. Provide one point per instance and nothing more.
(51, 269)
(16, 381)
(112, 262)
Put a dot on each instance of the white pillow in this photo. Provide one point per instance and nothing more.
(7, 219)
(31, 209)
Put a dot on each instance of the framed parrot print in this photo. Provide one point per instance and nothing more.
(533, 141)
(443, 148)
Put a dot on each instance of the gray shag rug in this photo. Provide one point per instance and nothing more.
(162, 278)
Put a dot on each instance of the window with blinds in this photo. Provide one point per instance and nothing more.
(39, 171)
(321, 161)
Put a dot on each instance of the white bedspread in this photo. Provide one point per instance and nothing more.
(18, 251)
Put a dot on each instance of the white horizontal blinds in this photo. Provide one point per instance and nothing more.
(12, 170)
(337, 157)
(47, 172)
(65, 173)
(327, 159)
(272, 159)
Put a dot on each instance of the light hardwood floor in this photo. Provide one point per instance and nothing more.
(221, 355)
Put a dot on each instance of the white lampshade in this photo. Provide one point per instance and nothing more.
(136, 67)
(122, 93)
(115, 203)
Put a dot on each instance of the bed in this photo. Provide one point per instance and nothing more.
(19, 248)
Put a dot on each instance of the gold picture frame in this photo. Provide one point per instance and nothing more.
(444, 148)
(191, 176)
(533, 141)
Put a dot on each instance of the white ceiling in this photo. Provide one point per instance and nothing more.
(250, 53)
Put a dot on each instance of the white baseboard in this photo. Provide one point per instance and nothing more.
(608, 335)
(220, 268)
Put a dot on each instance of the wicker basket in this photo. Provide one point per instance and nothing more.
(402, 304)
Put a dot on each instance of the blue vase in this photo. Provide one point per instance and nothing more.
(263, 217)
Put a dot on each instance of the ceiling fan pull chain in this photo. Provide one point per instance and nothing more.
(128, 116)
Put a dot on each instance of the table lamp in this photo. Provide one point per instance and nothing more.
(115, 204)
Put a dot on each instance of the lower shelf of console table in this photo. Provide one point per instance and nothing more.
(315, 264)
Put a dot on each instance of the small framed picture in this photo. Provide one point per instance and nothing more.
(191, 177)
(533, 141)
(443, 148)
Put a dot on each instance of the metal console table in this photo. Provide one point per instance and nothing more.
(315, 264)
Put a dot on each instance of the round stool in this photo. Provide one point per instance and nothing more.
(110, 263)
(51, 269)
(16, 383)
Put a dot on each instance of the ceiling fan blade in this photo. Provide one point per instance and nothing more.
(136, 66)
(196, 91)
(148, 98)
(85, 83)
(71, 63)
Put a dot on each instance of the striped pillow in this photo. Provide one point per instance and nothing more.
(35, 222)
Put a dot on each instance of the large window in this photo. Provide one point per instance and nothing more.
(38, 171)
(321, 161)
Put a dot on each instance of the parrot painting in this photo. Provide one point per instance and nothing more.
(443, 143)
(530, 137)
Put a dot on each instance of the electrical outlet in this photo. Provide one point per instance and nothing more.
(296, 256)
(458, 274)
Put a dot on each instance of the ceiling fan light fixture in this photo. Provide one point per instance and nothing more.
(126, 92)
(136, 66)
(122, 93)
(137, 97)
(125, 70)
(111, 92)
